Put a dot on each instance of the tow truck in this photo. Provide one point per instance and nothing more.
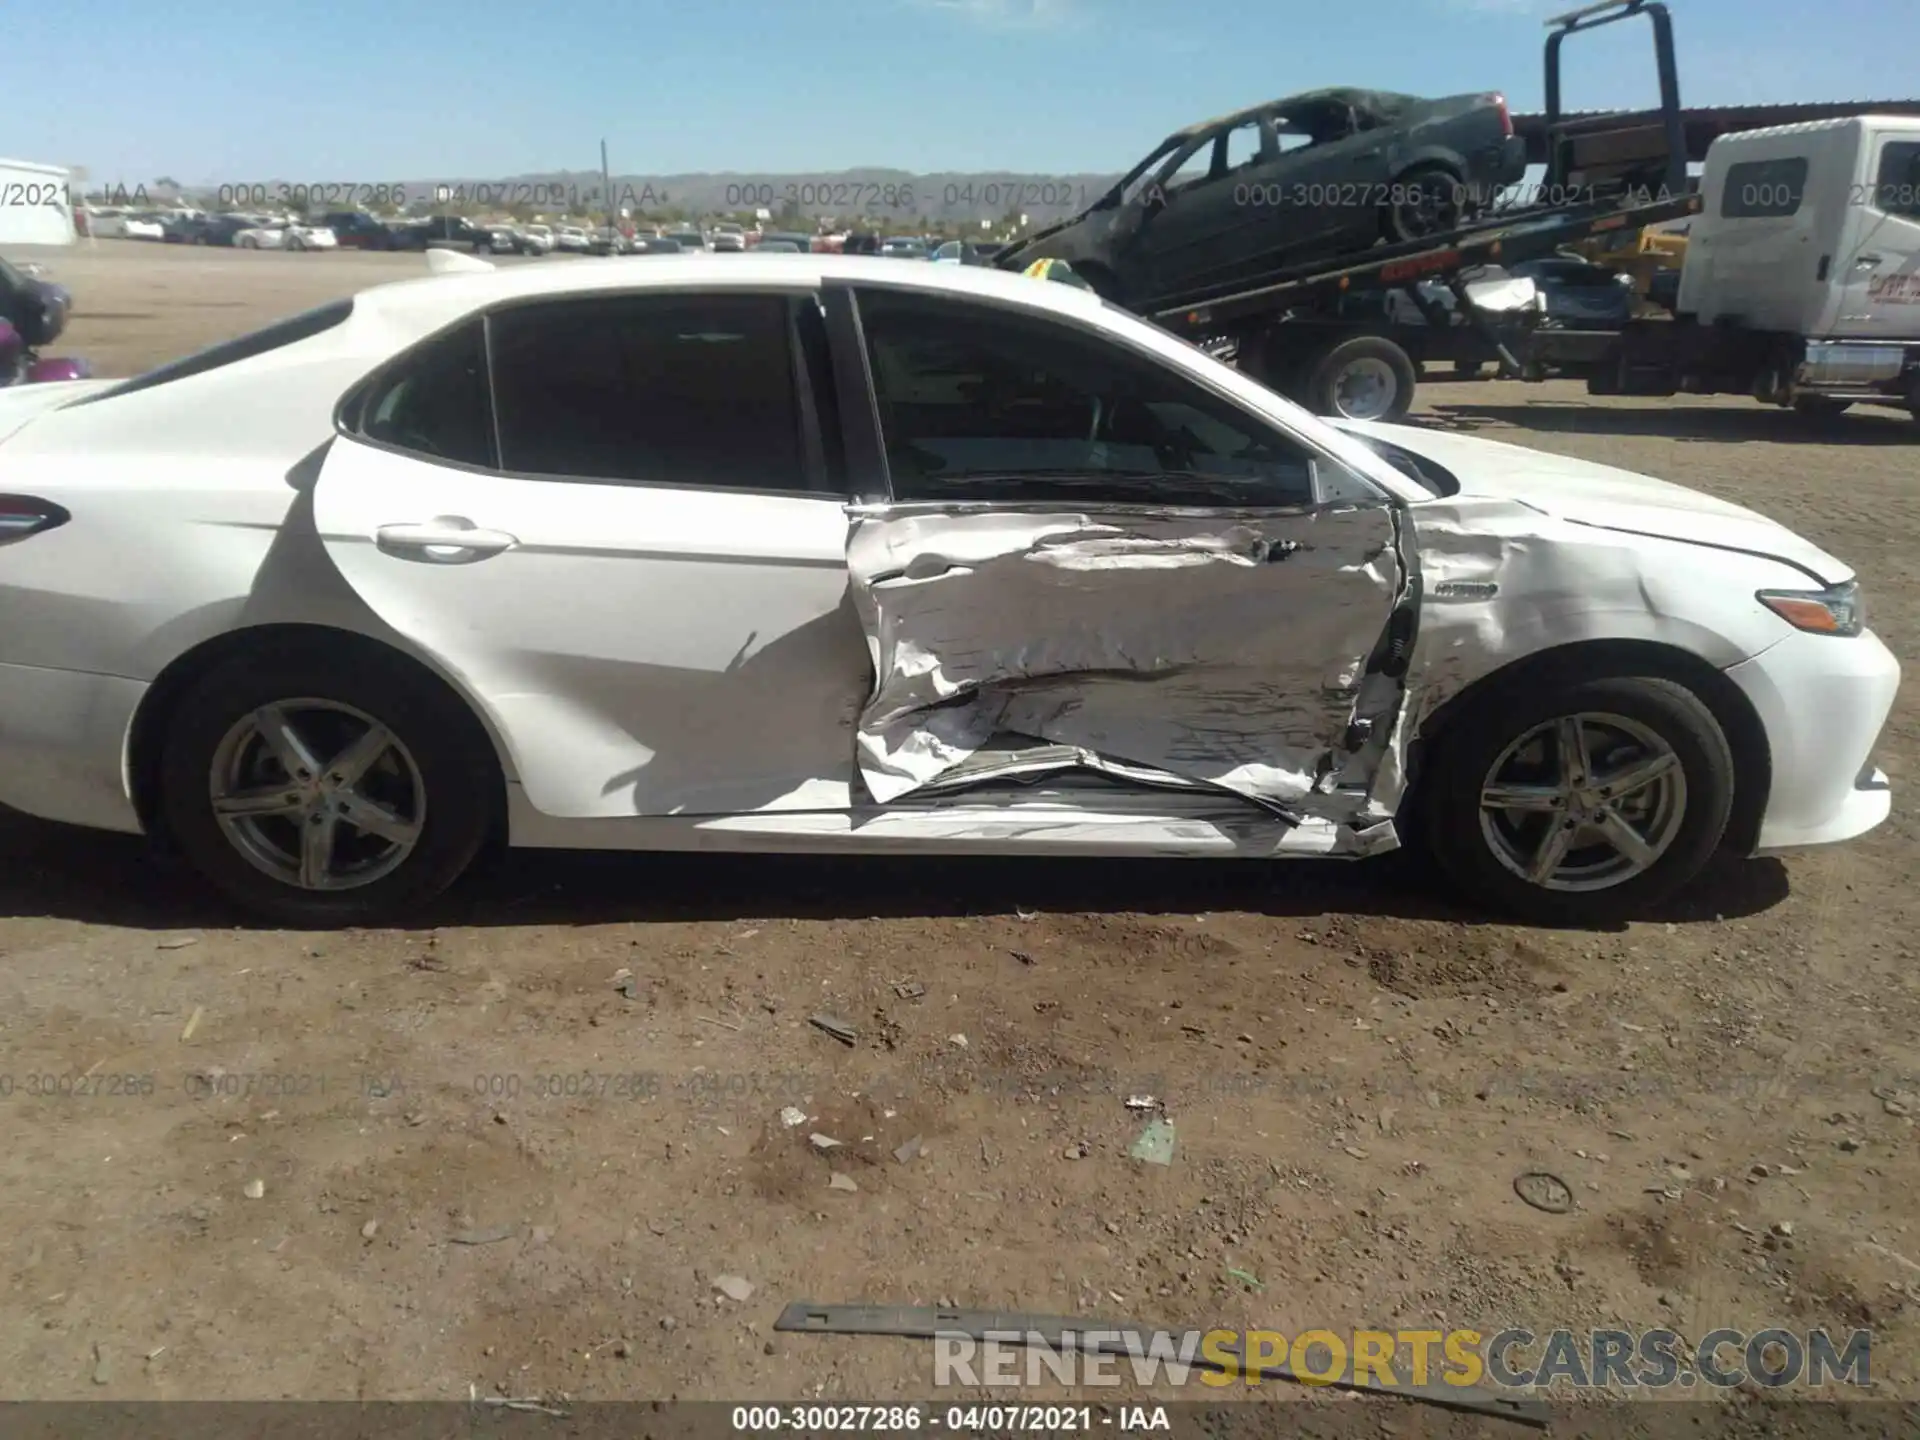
(1324, 333)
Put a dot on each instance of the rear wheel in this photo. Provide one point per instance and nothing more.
(1427, 200)
(322, 789)
(1364, 377)
(1578, 802)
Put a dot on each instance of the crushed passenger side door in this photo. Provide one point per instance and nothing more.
(1248, 650)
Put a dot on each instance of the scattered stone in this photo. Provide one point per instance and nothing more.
(909, 989)
(370, 1229)
(959, 1040)
(667, 1322)
(822, 1142)
(179, 942)
(837, 1181)
(622, 1350)
(1079, 1150)
(908, 1151)
(734, 1287)
(1543, 1191)
(1784, 1229)
(1849, 1145)
(255, 1189)
(102, 1365)
(792, 1115)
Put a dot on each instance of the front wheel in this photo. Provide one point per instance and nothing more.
(1579, 802)
(1365, 377)
(321, 789)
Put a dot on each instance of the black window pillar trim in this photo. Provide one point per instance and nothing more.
(813, 449)
(868, 479)
(495, 442)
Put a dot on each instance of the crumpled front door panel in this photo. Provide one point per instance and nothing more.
(1222, 647)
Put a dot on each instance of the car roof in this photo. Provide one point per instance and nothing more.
(442, 299)
(1381, 102)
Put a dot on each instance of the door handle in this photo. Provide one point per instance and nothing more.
(444, 540)
(1865, 262)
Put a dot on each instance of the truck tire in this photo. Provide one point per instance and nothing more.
(1363, 377)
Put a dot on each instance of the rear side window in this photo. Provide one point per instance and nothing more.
(303, 326)
(1762, 189)
(1897, 186)
(670, 389)
(434, 401)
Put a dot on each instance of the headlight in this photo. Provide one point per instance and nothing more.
(1834, 611)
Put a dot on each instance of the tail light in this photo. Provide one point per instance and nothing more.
(1499, 103)
(23, 515)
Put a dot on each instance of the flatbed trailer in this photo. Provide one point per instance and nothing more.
(1302, 332)
(1323, 332)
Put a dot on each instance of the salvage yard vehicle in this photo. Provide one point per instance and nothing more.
(1322, 332)
(1237, 200)
(284, 235)
(819, 553)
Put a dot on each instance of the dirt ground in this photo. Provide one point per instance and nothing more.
(513, 1149)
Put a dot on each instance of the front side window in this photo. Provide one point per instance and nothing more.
(668, 389)
(433, 402)
(982, 404)
(1764, 189)
(1897, 186)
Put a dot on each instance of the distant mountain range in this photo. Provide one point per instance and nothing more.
(947, 197)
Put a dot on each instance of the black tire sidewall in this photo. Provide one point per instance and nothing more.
(1322, 371)
(456, 764)
(1473, 740)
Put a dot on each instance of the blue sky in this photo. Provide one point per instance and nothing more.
(371, 91)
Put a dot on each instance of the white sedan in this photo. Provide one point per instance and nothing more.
(572, 238)
(842, 554)
(286, 237)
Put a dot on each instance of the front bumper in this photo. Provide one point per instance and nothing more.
(1823, 702)
(63, 745)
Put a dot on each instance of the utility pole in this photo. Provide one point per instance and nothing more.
(606, 184)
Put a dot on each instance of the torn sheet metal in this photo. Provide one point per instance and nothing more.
(1228, 648)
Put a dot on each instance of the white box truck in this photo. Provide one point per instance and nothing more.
(1801, 283)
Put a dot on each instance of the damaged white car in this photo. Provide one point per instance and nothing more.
(838, 554)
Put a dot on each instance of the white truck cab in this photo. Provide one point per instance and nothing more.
(1810, 235)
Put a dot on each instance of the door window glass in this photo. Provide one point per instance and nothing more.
(1897, 187)
(977, 403)
(666, 389)
(434, 401)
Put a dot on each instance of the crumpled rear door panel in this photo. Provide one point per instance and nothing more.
(1224, 648)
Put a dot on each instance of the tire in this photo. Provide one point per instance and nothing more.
(1685, 819)
(1439, 206)
(1821, 407)
(1364, 377)
(442, 773)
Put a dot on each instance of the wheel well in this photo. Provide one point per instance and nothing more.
(1738, 721)
(147, 737)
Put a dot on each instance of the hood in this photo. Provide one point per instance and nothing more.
(21, 403)
(1607, 498)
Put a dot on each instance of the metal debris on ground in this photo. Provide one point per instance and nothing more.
(957, 1039)
(492, 1235)
(1544, 1191)
(1142, 1102)
(837, 1181)
(909, 989)
(734, 1287)
(1155, 1143)
(907, 1152)
(180, 942)
(193, 1023)
(792, 1115)
(1252, 1282)
(822, 1142)
(838, 1029)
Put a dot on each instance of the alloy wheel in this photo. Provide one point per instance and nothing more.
(317, 795)
(1583, 802)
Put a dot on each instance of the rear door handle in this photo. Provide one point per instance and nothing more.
(444, 540)
(1866, 262)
